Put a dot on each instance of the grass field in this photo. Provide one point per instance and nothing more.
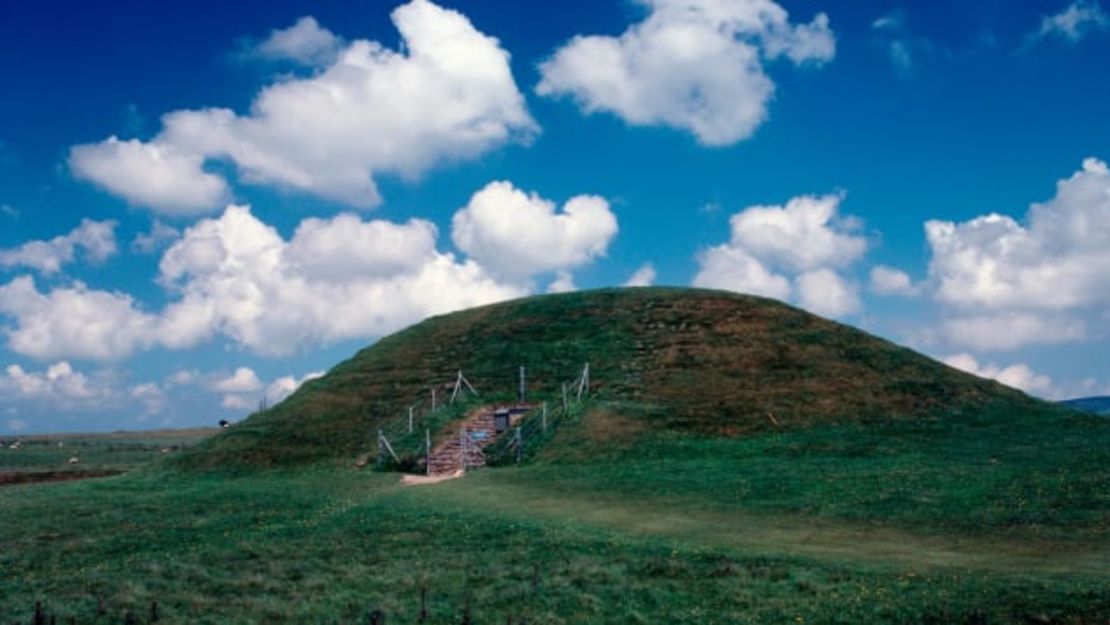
(736, 461)
(833, 525)
(116, 451)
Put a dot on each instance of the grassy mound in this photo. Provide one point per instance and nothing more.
(704, 363)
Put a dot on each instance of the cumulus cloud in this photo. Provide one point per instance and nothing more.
(305, 42)
(517, 234)
(643, 276)
(285, 386)
(804, 241)
(95, 239)
(74, 321)
(59, 381)
(371, 111)
(1041, 278)
(825, 292)
(1018, 376)
(696, 65)
(158, 175)
(1009, 330)
(890, 281)
(159, 236)
(563, 283)
(1074, 22)
(238, 402)
(238, 275)
(731, 268)
(243, 380)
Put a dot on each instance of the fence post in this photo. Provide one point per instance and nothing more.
(519, 445)
(521, 391)
(410, 419)
(381, 450)
(433, 399)
(428, 452)
(564, 398)
(544, 417)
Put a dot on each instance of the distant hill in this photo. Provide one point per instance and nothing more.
(704, 362)
(1097, 405)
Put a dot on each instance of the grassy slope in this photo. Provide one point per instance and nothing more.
(711, 362)
(933, 497)
(322, 546)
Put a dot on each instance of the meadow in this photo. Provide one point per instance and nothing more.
(1002, 519)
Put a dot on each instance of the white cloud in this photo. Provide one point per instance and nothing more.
(1076, 21)
(804, 234)
(150, 397)
(517, 235)
(159, 236)
(563, 283)
(695, 65)
(805, 240)
(184, 377)
(893, 21)
(243, 380)
(305, 42)
(57, 387)
(158, 175)
(1008, 330)
(96, 240)
(311, 134)
(285, 386)
(238, 402)
(890, 281)
(1018, 376)
(345, 247)
(74, 322)
(236, 276)
(824, 292)
(16, 425)
(1040, 279)
(730, 267)
(643, 276)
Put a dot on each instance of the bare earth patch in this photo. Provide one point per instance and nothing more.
(420, 480)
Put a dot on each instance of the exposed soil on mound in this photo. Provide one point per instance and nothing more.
(14, 478)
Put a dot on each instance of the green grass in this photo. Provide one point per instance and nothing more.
(1002, 516)
(721, 364)
(738, 461)
(116, 451)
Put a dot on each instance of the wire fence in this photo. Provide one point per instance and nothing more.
(407, 444)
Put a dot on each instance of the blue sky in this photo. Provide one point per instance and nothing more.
(203, 204)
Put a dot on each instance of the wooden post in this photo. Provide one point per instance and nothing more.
(433, 399)
(521, 390)
(428, 451)
(564, 398)
(519, 445)
(584, 382)
(543, 417)
(410, 419)
(381, 450)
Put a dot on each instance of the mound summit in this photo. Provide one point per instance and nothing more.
(701, 362)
